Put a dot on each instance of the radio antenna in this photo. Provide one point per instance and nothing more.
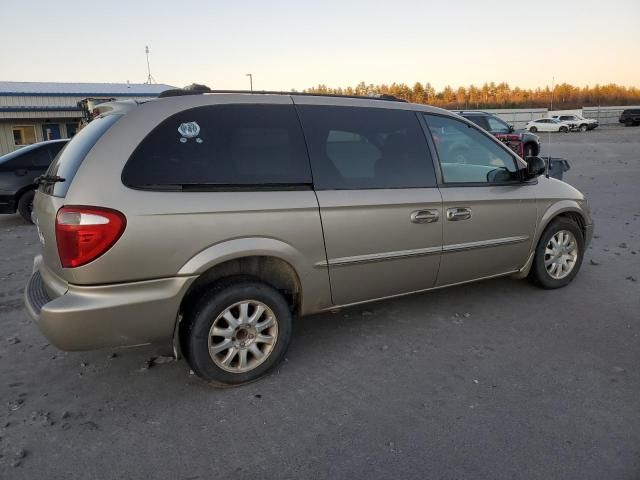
(150, 78)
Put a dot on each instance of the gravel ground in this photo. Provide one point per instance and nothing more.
(496, 379)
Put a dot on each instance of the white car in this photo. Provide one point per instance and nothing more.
(581, 123)
(548, 125)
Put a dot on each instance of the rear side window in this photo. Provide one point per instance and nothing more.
(40, 157)
(365, 148)
(478, 120)
(222, 145)
(68, 161)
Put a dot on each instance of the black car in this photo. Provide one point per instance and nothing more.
(524, 143)
(630, 117)
(18, 171)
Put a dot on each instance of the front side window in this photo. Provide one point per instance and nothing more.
(498, 126)
(366, 148)
(468, 156)
(222, 145)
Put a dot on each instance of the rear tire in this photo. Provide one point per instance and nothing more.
(628, 123)
(533, 129)
(25, 205)
(543, 273)
(225, 345)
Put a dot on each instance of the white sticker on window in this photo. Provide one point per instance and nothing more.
(188, 130)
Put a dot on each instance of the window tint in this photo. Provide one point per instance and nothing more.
(478, 120)
(67, 163)
(54, 149)
(468, 156)
(498, 126)
(360, 148)
(40, 157)
(222, 145)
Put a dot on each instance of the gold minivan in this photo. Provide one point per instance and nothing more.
(210, 221)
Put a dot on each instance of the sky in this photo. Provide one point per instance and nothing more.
(289, 44)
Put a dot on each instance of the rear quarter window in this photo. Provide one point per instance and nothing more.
(68, 161)
(223, 146)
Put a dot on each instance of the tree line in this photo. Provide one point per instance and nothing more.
(501, 95)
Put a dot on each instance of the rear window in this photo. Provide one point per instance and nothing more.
(222, 146)
(68, 161)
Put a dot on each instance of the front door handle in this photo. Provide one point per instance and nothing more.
(458, 213)
(21, 172)
(425, 216)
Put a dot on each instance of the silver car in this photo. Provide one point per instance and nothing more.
(211, 221)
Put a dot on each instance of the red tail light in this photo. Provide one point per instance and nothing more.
(85, 233)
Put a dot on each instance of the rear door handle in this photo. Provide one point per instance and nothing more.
(458, 213)
(21, 172)
(425, 216)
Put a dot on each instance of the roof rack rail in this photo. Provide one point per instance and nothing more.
(177, 92)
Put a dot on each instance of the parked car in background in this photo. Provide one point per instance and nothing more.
(579, 122)
(522, 142)
(549, 125)
(18, 171)
(210, 221)
(630, 117)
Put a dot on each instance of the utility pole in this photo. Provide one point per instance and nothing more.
(150, 79)
(553, 79)
(250, 80)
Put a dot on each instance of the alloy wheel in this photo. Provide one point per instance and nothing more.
(561, 254)
(243, 336)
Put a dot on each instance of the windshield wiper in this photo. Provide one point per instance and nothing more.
(48, 179)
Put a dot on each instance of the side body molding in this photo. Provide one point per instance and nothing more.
(314, 282)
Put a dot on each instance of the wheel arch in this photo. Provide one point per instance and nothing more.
(272, 270)
(565, 209)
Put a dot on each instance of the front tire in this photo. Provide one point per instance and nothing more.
(237, 332)
(25, 205)
(529, 150)
(558, 255)
(584, 128)
(533, 129)
(564, 130)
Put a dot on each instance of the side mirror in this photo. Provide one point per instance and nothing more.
(511, 128)
(536, 166)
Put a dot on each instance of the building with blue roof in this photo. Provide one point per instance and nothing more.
(31, 112)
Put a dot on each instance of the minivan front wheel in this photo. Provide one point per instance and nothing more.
(237, 332)
(558, 255)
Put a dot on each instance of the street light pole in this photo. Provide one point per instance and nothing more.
(250, 81)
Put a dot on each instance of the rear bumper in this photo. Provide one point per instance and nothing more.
(88, 318)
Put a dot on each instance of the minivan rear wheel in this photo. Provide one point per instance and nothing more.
(237, 332)
(558, 255)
